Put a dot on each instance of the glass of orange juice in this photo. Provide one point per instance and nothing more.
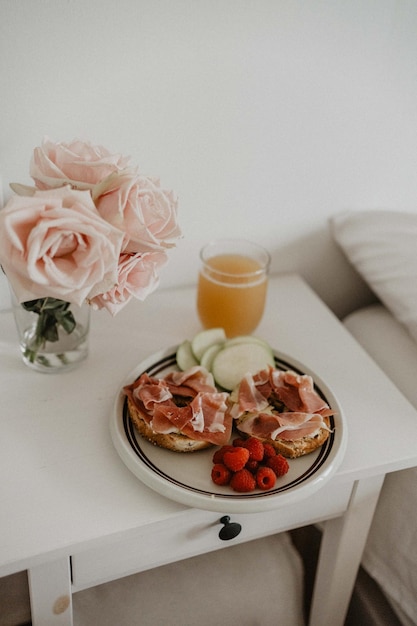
(232, 285)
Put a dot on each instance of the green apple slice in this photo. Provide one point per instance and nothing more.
(206, 338)
(185, 356)
(232, 363)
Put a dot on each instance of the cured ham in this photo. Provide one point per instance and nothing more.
(296, 391)
(196, 378)
(282, 406)
(187, 403)
(250, 397)
(288, 426)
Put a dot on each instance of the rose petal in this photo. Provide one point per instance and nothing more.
(137, 277)
(138, 205)
(56, 244)
(79, 163)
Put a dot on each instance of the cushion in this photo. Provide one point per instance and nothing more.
(382, 247)
(394, 525)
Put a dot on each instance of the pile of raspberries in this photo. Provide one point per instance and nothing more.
(248, 464)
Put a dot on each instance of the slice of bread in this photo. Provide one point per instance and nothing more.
(176, 442)
(277, 402)
(293, 448)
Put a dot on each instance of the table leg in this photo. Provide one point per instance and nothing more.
(341, 549)
(50, 593)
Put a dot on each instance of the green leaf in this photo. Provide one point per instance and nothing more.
(53, 313)
(33, 305)
(66, 320)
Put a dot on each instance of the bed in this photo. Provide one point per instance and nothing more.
(381, 246)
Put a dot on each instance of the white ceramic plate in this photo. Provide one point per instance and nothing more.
(186, 477)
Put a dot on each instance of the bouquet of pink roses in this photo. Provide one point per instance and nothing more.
(93, 229)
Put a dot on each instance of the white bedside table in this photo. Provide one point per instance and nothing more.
(70, 509)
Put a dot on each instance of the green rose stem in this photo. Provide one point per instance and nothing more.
(52, 314)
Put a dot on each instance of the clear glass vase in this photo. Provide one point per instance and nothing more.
(53, 334)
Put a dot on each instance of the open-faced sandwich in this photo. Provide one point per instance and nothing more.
(183, 411)
(224, 384)
(281, 408)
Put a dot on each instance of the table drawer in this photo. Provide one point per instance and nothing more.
(194, 532)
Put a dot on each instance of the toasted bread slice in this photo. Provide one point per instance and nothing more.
(176, 442)
(293, 448)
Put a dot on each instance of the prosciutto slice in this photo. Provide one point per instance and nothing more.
(295, 391)
(250, 397)
(203, 414)
(196, 378)
(289, 426)
(149, 391)
(301, 410)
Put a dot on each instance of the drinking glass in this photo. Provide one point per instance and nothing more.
(232, 285)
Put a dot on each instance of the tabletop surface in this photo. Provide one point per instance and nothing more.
(63, 484)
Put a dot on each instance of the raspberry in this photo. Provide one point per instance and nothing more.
(239, 443)
(279, 464)
(243, 481)
(220, 474)
(219, 454)
(265, 478)
(269, 451)
(255, 447)
(236, 459)
(252, 465)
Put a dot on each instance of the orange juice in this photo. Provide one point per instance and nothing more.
(231, 293)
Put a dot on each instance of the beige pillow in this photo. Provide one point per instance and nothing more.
(382, 247)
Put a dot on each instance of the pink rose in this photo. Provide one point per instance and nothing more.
(139, 206)
(79, 164)
(56, 244)
(137, 277)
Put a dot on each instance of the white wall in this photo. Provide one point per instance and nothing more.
(266, 116)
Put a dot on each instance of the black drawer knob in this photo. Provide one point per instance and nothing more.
(230, 529)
